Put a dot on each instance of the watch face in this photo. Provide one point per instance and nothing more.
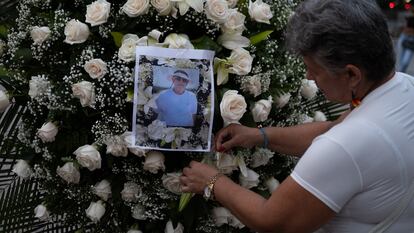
(207, 193)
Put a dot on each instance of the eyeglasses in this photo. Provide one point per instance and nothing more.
(181, 79)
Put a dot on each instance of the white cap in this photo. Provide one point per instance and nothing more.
(181, 74)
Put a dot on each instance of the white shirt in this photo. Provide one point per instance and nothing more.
(362, 167)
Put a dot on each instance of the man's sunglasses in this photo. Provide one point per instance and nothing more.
(181, 79)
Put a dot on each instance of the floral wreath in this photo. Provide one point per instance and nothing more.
(70, 65)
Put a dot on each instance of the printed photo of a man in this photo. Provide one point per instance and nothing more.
(177, 106)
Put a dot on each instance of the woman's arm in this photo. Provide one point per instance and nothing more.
(293, 140)
(291, 208)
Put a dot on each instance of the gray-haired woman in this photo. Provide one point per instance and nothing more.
(355, 174)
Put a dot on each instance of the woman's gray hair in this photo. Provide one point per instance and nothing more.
(341, 32)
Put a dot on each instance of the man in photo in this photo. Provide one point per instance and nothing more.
(177, 106)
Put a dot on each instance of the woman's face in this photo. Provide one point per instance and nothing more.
(335, 87)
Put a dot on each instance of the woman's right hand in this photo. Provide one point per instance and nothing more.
(236, 135)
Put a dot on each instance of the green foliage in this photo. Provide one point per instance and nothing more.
(260, 37)
(117, 36)
(207, 43)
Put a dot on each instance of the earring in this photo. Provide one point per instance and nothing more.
(355, 101)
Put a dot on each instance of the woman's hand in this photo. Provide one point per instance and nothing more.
(236, 135)
(196, 176)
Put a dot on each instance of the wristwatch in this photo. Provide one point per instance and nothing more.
(209, 189)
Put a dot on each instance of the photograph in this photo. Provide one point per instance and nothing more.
(177, 102)
(173, 99)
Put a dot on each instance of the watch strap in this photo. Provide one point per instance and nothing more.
(211, 183)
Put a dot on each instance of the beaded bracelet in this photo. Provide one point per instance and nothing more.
(265, 138)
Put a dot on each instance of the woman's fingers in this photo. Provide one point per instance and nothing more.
(221, 136)
(229, 144)
(185, 189)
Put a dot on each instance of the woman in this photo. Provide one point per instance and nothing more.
(353, 172)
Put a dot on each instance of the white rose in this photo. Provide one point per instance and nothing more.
(134, 8)
(88, 157)
(102, 189)
(96, 68)
(261, 109)
(69, 173)
(47, 132)
(95, 211)
(127, 136)
(241, 61)
(76, 32)
(217, 10)
(38, 85)
(137, 151)
(232, 107)
(233, 40)
(232, 3)
(282, 100)
(221, 216)
(252, 85)
(40, 34)
(234, 22)
(138, 212)
(129, 42)
(261, 157)
(319, 116)
(305, 119)
(308, 89)
(226, 163)
(272, 184)
(155, 34)
(178, 41)
(252, 179)
(169, 228)
(41, 213)
(85, 92)
(171, 181)
(154, 161)
(131, 192)
(163, 7)
(260, 11)
(97, 12)
(116, 146)
(4, 101)
(22, 169)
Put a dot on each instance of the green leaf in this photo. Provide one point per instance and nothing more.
(207, 43)
(184, 200)
(24, 53)
(117, 38)
(260, 37)
(3, 31)
(130, 94)
(3, 71)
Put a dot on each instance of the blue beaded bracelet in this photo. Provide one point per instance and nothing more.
(265, 138)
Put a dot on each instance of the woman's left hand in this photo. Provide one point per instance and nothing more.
(196, 176)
